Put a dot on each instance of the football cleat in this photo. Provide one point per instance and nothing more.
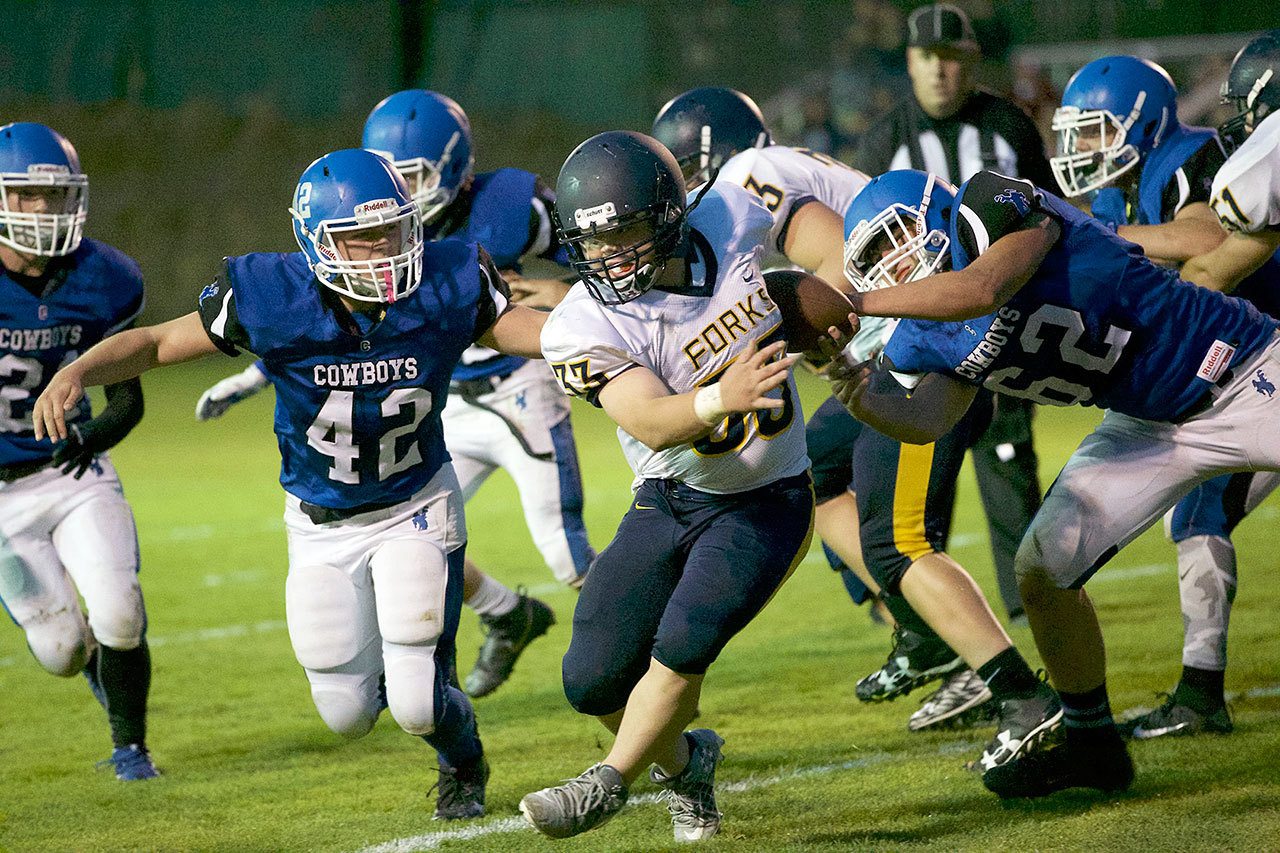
(914, 660)
(132, 763)
(506, 637)
(963, 697)
(1021, 725)
(1175, 719)
(1041, 772)
(580, 804)
(690, 794)
(460, 791)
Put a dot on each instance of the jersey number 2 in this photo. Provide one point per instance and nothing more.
(331, 433)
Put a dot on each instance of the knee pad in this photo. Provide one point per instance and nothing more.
(322, 612)
(60, 641)
(118, 622)
(411, 687)
(344, 710)
(409, 581)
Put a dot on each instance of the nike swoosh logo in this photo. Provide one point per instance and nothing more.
(642, 506)
(1141, 732)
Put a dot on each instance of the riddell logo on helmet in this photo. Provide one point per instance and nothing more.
(374, 209)
(585, 217)
(47, 169)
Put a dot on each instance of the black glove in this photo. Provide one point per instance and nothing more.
(77, 453)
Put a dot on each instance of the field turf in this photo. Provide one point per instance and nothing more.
(249, 766)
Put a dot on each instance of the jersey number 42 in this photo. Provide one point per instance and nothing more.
(331, 433)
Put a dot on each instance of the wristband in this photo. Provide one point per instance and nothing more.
(708, 405)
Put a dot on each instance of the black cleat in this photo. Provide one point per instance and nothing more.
(506, 637)
(1042, 772)
(1175, 719)
(1023, 724)
(914, 660)
(460, 791)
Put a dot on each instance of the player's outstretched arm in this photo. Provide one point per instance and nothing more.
(642, 404)
(980, 288)
(874, 397)
(518, 331)
(120, 357)
(1232, 261)
(1193, 231)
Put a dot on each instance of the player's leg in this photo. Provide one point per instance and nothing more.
(1006, 467)
(909, 492)
(614, 623)
(98, 544)
(1123, 477)
(41, 600)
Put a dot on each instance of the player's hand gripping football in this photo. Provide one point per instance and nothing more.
(49, 417)
(848, 381)
(745, 383)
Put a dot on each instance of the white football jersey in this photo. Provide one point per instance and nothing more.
(781, 176)
(1246, 190)
(687, 339)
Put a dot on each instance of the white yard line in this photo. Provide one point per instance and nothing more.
(432, 840)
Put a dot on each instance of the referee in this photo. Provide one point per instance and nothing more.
(953, 129)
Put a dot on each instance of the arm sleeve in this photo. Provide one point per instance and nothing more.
(117, 419)
(993, 206)
(584, 355)
(494, 297)
(221, 321)
(1193, 182)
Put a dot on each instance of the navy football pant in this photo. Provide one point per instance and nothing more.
(686, 571)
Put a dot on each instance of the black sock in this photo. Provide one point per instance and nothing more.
(1008, 677)
(1201, 689)
(125, 677)
(906, 616)
(1087, 717)
(91, 675)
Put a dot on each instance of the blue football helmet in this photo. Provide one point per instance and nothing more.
(1120, 107)
(428, 138)
(705, 127)
(897, 229)
(44, 195)
(358, 226)
(1252, 86)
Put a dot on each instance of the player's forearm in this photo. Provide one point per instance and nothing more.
(1212, 277)
(665, 422)
(1175, 241)
(122, 413)
(517, 332)
(119, 358)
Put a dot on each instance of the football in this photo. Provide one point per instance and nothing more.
(809, 307)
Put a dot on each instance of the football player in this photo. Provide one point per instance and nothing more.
(673, 334)
(504, 411)
(904, 497)
(1150, 176)
(1048, 303)
(66, 529)
(358, 332)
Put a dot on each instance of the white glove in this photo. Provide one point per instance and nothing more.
(230, 391)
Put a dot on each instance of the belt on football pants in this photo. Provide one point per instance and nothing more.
(475, 387)
(471, 390)
(9, 473)
(1207, 399)
(328, 515)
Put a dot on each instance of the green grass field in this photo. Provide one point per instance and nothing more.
(249, 766)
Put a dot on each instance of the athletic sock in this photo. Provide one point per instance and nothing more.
(91, 675)
(1200, 689)
(1008, 676)
(907, 617)
(1087, 718)
(492, 599)
(125, 677)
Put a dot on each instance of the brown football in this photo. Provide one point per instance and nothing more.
(809, 306)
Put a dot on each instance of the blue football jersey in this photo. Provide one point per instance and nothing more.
(1097, 324)
(358, 402)
(508, 212)
(92, 293)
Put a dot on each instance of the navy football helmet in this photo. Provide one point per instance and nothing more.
(40, 169)
(361, 231)
(897, 229)
(706, 126)
(1252, 87)
(620, 213)
(1123, 106)
(428, 138)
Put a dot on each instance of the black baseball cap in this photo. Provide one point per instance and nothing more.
(941, 25)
